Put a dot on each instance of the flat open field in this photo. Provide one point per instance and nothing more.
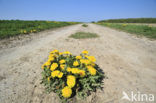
(149, 24)
(10, 28)
(140, 30)
(129, 63)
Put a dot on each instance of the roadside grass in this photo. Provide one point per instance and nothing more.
(9, 28)
(83, 35)
(84, 25)
(130, 20)
(139, 30)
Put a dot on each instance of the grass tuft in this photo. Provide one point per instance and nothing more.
(83, 35)
(84, 25)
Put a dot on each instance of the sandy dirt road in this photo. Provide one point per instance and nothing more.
(128, 62)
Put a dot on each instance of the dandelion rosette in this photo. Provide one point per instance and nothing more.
(69, 75)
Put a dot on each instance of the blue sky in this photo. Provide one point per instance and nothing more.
(76, 10)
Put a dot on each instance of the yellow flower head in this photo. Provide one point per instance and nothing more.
(92, 70)
(60, 53)
(78, 57)
(85, 61)
(82, 61)
(67, 52)
(47, 63)
(60, 75)
(51, 58)
(71, 81)
(25, 31)
(69, 69)
(62, 66)
(85, 52)
(43, 66)
(86, 56)
(62, 61)
(75, 70)
(76, 63)
(55, 73)
(82, 73)
(53, 66)
(54, 52)
(66, 92)
(51, 55)
(92, 58)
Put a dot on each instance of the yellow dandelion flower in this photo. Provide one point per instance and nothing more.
(71, 81)
(75, 70)
(82, 73)
(78, 57)
(66, 92)
(91, 70)
(55, 73)
(92, 58)
(53, 66)
(47, 63)
(60, 53)
(86, 56)
(54, 51)
(60, 75)
(62, 66)
(51, 59)
(25, 31)
(67, 52)
(76, 63)
(51, 55)
(62, 61)
(82, 61)
(43, 66)
(85, 52)
(69, 69)
(85, 61)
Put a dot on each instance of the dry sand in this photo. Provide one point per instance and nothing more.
(128, 62)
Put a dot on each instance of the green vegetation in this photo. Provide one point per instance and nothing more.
(83, 35)
(130, 20)
(84, 25)
(10, 28)
(71, 76)
(140, 30)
